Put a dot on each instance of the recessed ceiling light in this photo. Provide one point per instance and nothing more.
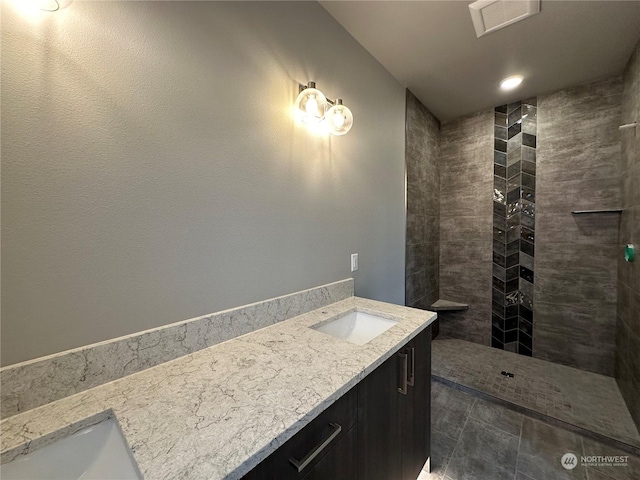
(512, 82)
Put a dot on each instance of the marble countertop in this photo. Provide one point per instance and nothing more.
(217, 413)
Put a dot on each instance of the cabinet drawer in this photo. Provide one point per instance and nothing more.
(333, 424)
(341, 463)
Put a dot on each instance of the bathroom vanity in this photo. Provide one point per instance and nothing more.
(284, 401)
(378, 430)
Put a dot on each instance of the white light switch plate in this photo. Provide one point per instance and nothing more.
(354, 262)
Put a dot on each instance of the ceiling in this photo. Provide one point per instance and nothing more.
(431, 48)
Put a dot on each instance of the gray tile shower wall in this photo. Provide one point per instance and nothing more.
(466, 186)
(577, 168)
(627, 359)
(514, 208)
(422, 152)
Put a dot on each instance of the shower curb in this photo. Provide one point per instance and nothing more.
(540, 416)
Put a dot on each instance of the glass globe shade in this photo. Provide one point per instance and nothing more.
(311, 105)
(339, 119)
(51, 5)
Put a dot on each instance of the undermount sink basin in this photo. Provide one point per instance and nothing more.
(356, 327)
(97, 452)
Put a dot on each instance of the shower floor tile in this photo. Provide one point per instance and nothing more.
(474, 439)
(584, 399)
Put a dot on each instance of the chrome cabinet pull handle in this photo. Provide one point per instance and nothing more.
(403, 376)
(412, 367)
(308, 458)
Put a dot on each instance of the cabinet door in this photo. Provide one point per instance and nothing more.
(340, 463)
(415, 407)
(379, 439)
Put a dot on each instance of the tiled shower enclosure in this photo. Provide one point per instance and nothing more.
(514, 226)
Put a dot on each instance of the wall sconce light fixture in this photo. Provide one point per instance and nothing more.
(311, 107)
(51, 5)
(34, 7)
(55, 5)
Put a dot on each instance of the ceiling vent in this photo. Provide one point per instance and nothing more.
(491, 15)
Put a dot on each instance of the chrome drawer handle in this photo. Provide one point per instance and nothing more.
(403, 376)
(412, 368)
(308, 458)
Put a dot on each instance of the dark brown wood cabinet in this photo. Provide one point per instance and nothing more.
(394, 414)
(415, 408)
(379, 443)
(379, 430)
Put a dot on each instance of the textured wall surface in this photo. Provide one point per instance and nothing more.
(466, 218)
(578, 168)
(152, 170)
(628, 322)
(422, 154)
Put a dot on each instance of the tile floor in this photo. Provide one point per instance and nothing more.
(584, 399)
(473, 439)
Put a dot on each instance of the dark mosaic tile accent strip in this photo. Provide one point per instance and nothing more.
(514, 226)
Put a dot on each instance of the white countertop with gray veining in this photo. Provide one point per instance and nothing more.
(217, 413)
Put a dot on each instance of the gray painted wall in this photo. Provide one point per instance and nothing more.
(422, 156)
(628, 322)
(152, 170)
(466, 223)
(578, 168)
